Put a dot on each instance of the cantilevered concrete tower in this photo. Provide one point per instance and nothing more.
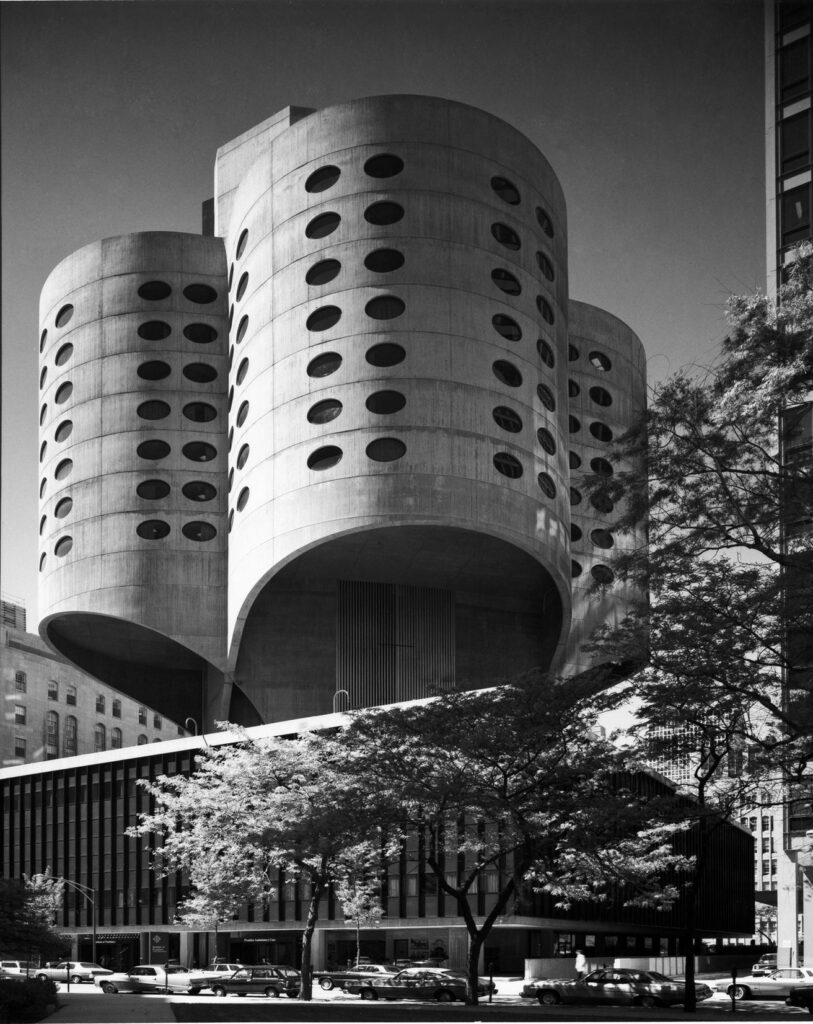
(331, 456)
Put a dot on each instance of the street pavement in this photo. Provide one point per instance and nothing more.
(86, 1005)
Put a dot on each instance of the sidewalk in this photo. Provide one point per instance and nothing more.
(96, 1008)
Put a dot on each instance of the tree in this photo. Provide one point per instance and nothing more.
(255, 809)
(25, 922)
(512, 781)
(358, 889)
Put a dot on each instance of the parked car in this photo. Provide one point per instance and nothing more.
(413, 983)
(22, 968)
(765, 965)
(776, 985)
(801, 996)
(153, 978)
(264, 980)
(613, 985)
(75, 971)
(338, 979)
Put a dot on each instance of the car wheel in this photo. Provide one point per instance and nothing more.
(367, 993)
(75, 979)
(444, 996)
(108, 988)
(326, 984)
(271, 992)
(548, 997)
(193, 991)
(42, 977)
(218, 990)
(739, 991)
(648, 1001)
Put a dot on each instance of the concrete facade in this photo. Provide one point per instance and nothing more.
(406, 430)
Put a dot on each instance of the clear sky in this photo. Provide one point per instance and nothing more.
(651, 113)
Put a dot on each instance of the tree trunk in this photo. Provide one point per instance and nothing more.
(306, 991)
(690, 938)
(473, 968)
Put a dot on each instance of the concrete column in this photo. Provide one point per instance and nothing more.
(787, 940)
(806, 958)
(186, 952)
(318, 949)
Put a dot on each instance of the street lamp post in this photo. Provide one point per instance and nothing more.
(90, 895)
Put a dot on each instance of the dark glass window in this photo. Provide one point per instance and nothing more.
(506, 236)
(602, 574)
(546, 397)
(202, 294)
(506, 282)
(386, 402)
(241, 243)
(153, 450)
(507, 373)
(575, 496)
(63, 508)
(600, 362)
(383, 213)
(384, 165)
(573, 424)
(386, 449)
(152, 489)
(153, 410)
(384, 261)
(197, 451)
(156, 369)
(507, 327)
(64, 392)
(242, 327)
(795, 215)
(323, 225)
(201, 334)
(545, 266)
(242, 456)
(200, 373)
(64, 316)
(794, 142)
(154, 330)
(242, 370)
(507, 419)
(545, 309)
(385, 354)
(152, 529)
(601, 467)
(575, 569)
(544, 221)
(242, 412)
(575, 532)
(322, 179)
(601, 396)
(323, 318)
(385, 307)
(508, 465)
(241, 286)
(199, 412)
(63, 546)
(324, 458)
(573, 389)
(325, 411)
(546, 440)
(574, 460)
(794, 70)
(546, 485)
(323, 271)
(601, 432)
(506, 190)
(545, 352)
(154, 291)
(572, 353)
(602, 538)
(324, 365)
(198, 531)
(64, 469)
(64, 354)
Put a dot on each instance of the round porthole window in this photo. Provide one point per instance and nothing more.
(64, 354)
(152, 490)
(155, 369)
(507, 373)
(575, 569)
(153, 450)
(324, 458)
(544, 221)
(325, 411)
(63, 431)
(601, 432)
(199, 412)
(242, 499)
(386, 449)
(546, 485)
(546, 441)
(154, 330)
(200, 373)
(574, 460)
(575, 533)
(545, 266)
(385, 402)
(545, 353)
(506, 282)
(322, 179)
(506, 327)
(323, 318)
(323, 225)
(573, 424)
(242, 241)
(575, 496)
(602, 538)
(323, 272)
(572, 353)
(601, 396)
(63, 546)
(154, 291)
(385, 354)
(43, 522)
(507, 419)
(601, 467)
(324, 365)
(385, 307)
(231, 276)
(600, 362)
(64, 392)
(242, 456)
(199, 490)
(242, 327)
(242, 413)
(153, 410)
(241, 286)
(602, 503)
(506, 190)
(545, 309)
(507, 465)
(242, 370)
(43, 339)
(152, 529)
(201, 334)
(199, 451)
(384, 165)
(43, 450)
(602, 574)
(200, 294)
(63, 507)
(43, 375)
(384, 213)
(43, 487)
(384, 261)
(43, 413)
(198, 531)
(573, 389)
(546, 397)
(42, 561)
(64, 316)
(64, 469)
(506, 236)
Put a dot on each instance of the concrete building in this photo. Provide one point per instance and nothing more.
(52, 710)
(330, 455)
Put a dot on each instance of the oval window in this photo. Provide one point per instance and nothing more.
(507, 419)
(43, 521)
(64, 354)
(42, 561)
(43, 375)
(153, 450)
(198, 531)
(506, 282)
(575, 496)
(242, 412)
(384, 213)
(601, 396)
(573, 389)
(507, 465)
(201, 334)
(199, 490)
(602, 574)
(575, 570)
(155, 369)
(544, 221)
(63, 507)
(241, 286)
(546, 485)
(506, 236)
(506, 190)
(601, 503)
(572, 353)
(507, 327)
(200, 373)
(324, 458)
(323, 318)
(64, 316)
(601, 432)
(575, 533)
(43, 450)
(64, 430)
(152, 489)
(64, 392)
(546, 441)
(323, 225)
(242, 327)
(574, 460)
(324, 365)
(600, 362)
(242, 456)
(385, 354)
(199, 412)
(242, 499)
(324, 412)
(602, 538)
(231, 276)
(43, 339)
(199, 451)
(601, 467)
(231, 479)
(43, 487)
(384, 261)
(43, 413)
(507, 373)
(242, 370)
(545, 353)
(545, 309)
(573, 424)
(546, 397)
(385, 402)
(384, 165)
(154, 291)
(385, 307)
(322, 179)
(323, 272)
(154, 330)
(64, 469)
(200, 294)
(242, 241)
(63, 546)
(153, 410)
(152, 529)
(386, 449)
(545, 266)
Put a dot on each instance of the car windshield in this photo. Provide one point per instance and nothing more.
(655, 976)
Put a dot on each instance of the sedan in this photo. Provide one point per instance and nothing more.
(776, 985)
(74, 971)
(338, 979)
(413, 983)
(617, 985)
(153, 978)
(267, 981)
